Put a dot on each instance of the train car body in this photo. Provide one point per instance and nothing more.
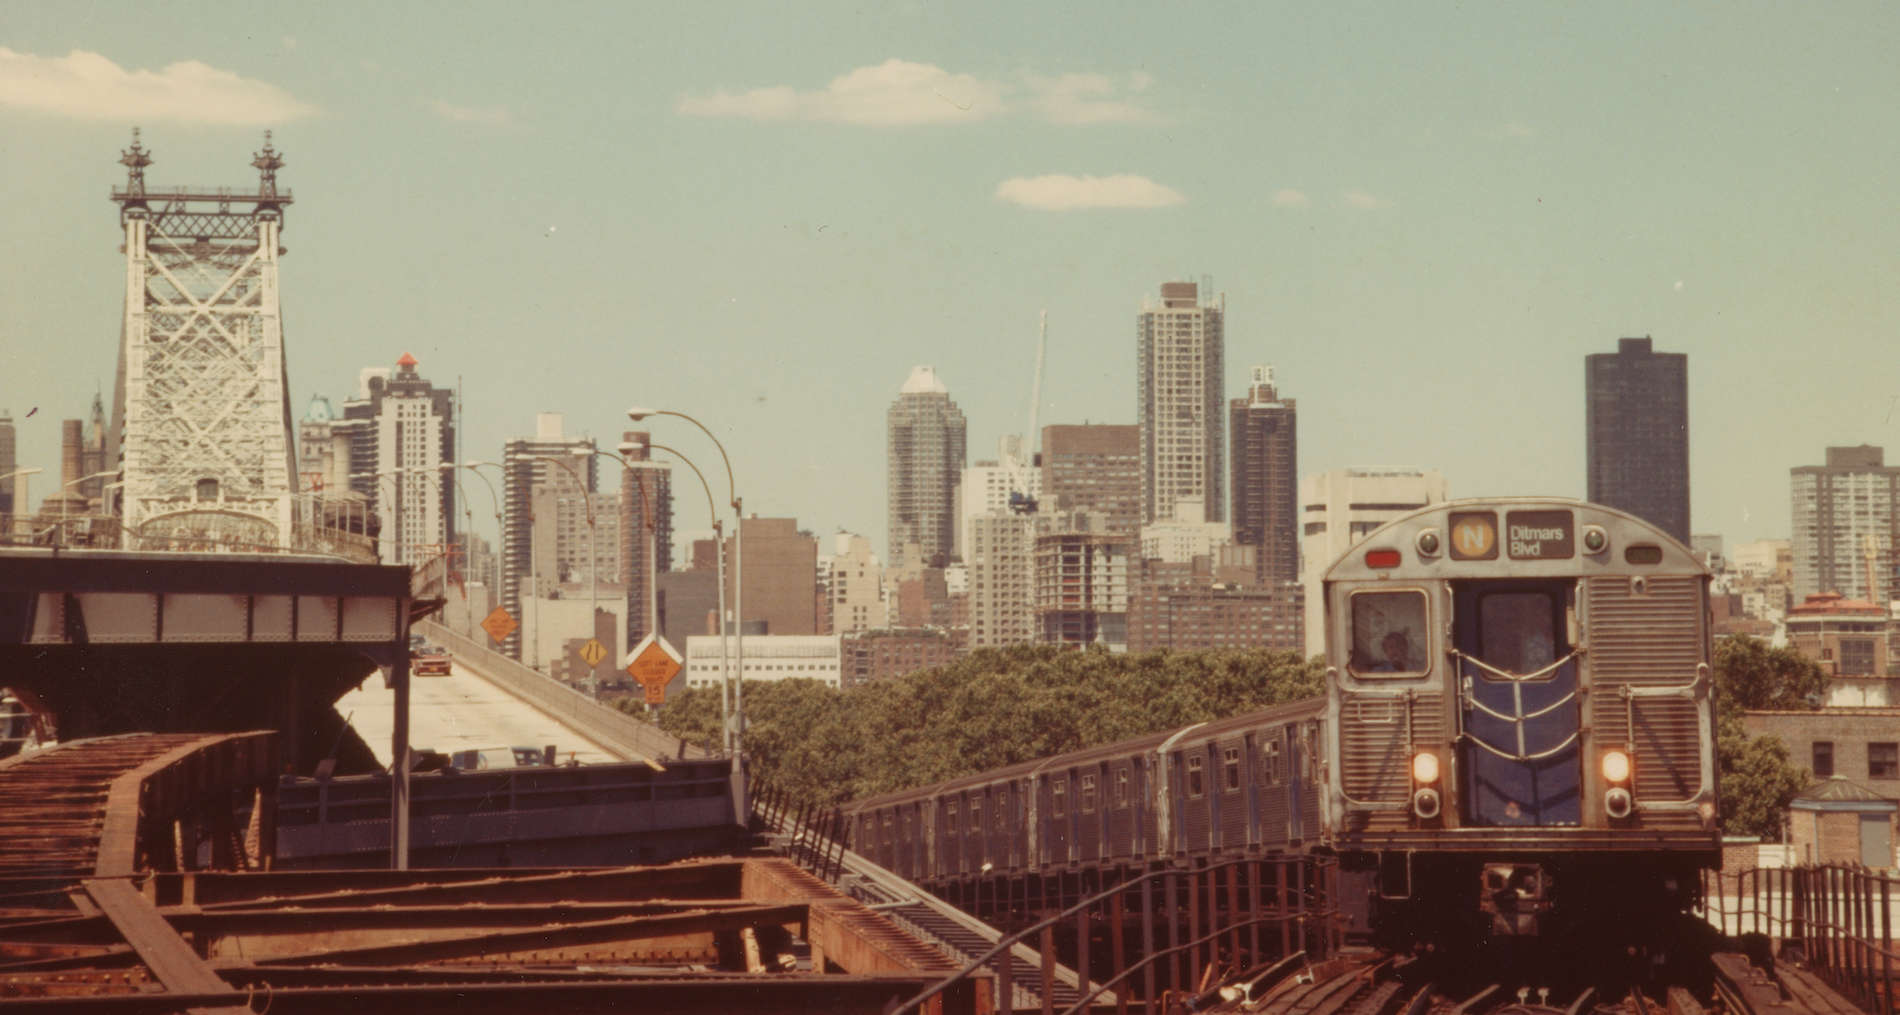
(1519, 714)
(1249, 784)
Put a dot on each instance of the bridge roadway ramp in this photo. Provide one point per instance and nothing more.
(597, 732)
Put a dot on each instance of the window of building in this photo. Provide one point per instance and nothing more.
(1823, 758)
(1857, 657)
(1195, 786)
(1883, 761)
(1230, 764)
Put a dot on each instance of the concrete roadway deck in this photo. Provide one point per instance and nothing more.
(459, 712)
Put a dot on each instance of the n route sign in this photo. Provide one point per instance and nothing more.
(499, 625)
(592, 652)
(653, 663)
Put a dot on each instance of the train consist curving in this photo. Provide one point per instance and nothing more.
(1516, 740)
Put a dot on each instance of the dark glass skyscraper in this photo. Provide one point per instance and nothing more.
(1636, 427)
(1266, 478)
(925, 437)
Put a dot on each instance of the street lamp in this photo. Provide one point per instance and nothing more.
(593, 550)
(626, 448)
(475, 466)
(638, 413)
(727, 700)
(468, 527)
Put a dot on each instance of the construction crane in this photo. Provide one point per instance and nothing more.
(1021, 501)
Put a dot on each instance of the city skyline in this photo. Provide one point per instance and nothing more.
(1444, 244)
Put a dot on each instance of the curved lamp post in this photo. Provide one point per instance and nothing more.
(638, 413)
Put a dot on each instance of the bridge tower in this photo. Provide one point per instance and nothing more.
(202, 425)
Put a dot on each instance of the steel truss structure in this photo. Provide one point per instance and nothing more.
(202, 408)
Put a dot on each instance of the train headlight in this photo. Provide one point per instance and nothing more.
(1427, 543)
(1616, 767)
(1425, 803)
(1617, 802)
(1595, 539)
(1425, 768)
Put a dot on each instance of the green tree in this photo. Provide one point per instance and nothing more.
(1758, 777)
(988, 709)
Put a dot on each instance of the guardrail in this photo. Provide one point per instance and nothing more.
(609, 727)
(1840, 916)
(107, 532)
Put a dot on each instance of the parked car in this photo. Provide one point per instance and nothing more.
(500, 757)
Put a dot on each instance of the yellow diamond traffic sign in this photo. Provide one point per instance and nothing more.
(654, 664)
(499, 625)
(593, 652)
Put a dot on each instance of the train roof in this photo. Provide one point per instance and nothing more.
(1526, 537)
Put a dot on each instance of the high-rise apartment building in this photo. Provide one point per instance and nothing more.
(528, 466)
(1010, 482)
(925, 441)
(1636, 424)
(853, 586)
(1094, 467)
(646, 532)
(1342, 507)
(1179, 375)
(1846, 523)
(401, 430)
(9, 461)
(1000, 556)
(1081, 574)
(780, 580)
(1266, 477)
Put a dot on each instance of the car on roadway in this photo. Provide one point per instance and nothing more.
(429, 661)
(499, 757)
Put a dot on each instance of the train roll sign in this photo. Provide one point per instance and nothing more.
(1540, 535)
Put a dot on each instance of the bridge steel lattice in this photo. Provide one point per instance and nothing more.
(202, 422)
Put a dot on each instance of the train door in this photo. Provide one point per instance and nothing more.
(1514, 643)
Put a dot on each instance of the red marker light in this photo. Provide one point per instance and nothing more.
(1380, 560)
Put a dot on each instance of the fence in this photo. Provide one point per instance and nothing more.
(107, 532)
(1162, 937)
(1841, 917)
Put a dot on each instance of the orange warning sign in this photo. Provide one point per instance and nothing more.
(499, 625)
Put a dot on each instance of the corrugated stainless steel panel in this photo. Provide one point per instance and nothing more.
(1648, 638)
(1375, 741)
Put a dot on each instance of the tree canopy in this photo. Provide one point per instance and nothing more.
(991, 708)
(1758, 777)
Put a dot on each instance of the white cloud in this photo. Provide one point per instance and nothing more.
(493, 116)
(88, 86)
(894, 93)
(1061, 192)
(899, 93)
(1088, 99)
(1364, 201)
(1290, 198)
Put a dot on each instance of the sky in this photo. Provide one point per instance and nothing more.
(1423, 216)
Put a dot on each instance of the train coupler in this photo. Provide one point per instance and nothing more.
(1515, 896)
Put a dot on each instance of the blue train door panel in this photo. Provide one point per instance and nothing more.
(1518, 705)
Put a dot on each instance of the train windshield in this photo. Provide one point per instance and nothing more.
(1518, 702)
(1389, 633)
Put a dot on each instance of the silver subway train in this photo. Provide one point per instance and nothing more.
(1516, 739)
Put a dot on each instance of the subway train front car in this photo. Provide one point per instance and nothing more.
(1519, 730)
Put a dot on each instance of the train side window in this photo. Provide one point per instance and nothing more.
(1088, 794)
(1230, 761)
(887, 829)
(1121, 786)
(950, 817)
(1270, 763)
(1059, 796)
(976, 815)
(1195, 787)
(1389, 634)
